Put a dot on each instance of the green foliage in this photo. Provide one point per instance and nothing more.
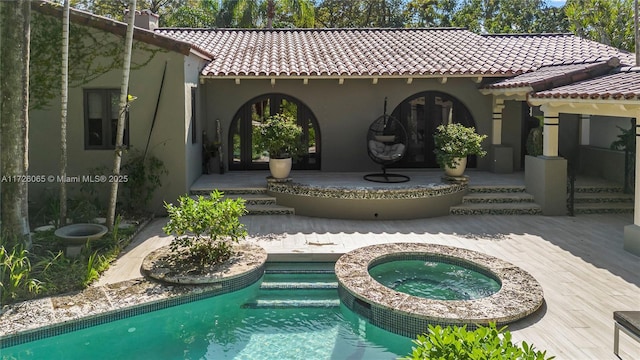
(280, 136)
(607, 21)
(46, 271)
(206, 227)
(485, 343)
(199, 16)
(534, 142)
(143, 179)
(361, 13)
(456, 141)
(16, 274)
(627, 142)
(93, 53)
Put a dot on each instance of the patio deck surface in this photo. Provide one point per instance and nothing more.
(579, 261)
(257, 179)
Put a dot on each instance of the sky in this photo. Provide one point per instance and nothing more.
(556, 3)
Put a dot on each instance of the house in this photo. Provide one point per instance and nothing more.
(336, 80)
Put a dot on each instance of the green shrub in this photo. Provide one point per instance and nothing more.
(485, 343)
(15, 274)
(143, 179)
(206, 227)
(280, 136)
(456, 141)
(534, 142)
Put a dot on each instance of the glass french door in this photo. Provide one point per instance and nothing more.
(246, 155)
(420, 115)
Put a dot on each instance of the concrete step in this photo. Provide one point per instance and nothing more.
(253, 199)
(492, 198)
(603, 208)
(603, 197)
(599, 189)
(298, 285)
(496, 209)
(291, 303)
(496, 189)
(231, 191)
(270, 210)
(302, 268)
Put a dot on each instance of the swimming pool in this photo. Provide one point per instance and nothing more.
(253, 323)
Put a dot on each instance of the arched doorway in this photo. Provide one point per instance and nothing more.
(246, 156)
(421, 114)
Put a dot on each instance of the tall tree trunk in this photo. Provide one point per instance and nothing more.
(124, 86)
(271, 13)
(64, 96)
(14, 119)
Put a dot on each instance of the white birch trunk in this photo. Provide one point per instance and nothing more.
(64, 96)
(117, 159)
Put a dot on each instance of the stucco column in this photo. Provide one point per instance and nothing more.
(585, 129)
(550, 133)
(501, 156)
(546, 175)
(496, 125)
(632, 232)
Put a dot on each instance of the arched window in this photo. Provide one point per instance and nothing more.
(421, 114)
(244, 153)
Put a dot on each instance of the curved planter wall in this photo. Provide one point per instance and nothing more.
(368, 203)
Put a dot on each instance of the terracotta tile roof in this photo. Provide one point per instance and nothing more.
(532, 51)
(557, 75)
(623, 84)
(384, 52)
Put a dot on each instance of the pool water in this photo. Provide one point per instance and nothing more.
(252, 323)
(434, 280)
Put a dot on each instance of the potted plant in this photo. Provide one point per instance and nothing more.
(280, 136)
(453, 143)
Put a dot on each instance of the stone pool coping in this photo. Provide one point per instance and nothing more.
(519, 296)
(50, 316)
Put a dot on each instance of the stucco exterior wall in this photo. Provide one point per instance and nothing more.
(604, 129)
(166, 141)
(344, 112)
(193, 150)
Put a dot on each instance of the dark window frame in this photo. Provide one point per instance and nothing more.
(107, 116)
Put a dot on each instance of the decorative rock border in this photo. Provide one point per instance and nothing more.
(246, 260)
(337, 192)
(519, 296)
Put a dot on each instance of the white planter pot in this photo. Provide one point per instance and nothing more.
(280, 168)
(457, 170)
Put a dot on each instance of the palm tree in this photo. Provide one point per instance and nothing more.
(64, 99)
(252, 13)
(124, 87)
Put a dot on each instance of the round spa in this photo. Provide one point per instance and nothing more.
(404, 287)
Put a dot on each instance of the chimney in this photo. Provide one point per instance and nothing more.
(147, 20)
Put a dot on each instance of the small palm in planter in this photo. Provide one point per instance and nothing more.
(453, 143)
(280, 136)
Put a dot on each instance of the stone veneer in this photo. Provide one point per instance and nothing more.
(364, 192)
(519, 296)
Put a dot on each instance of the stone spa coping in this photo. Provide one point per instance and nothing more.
(520, 293)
